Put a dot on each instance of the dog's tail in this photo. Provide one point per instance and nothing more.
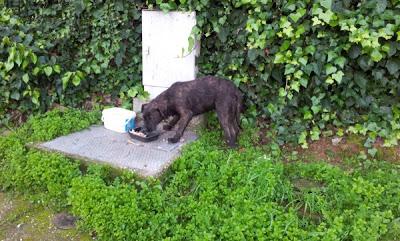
(239, 107)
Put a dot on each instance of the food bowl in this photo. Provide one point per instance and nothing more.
(141, 135)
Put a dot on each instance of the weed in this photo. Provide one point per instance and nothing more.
(209, 193)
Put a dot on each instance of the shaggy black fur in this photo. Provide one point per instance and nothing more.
(183, 100)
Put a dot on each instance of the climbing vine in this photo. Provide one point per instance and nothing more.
(78, 52)
(307, 68)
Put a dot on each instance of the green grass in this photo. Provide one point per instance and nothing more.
(209, 193)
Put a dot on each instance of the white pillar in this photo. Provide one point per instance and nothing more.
(166, 58)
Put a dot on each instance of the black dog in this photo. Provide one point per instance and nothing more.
(183, 100)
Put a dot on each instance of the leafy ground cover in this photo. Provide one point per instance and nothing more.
(258, 192)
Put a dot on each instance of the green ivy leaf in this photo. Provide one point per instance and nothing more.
(288, 31)
(300, 30)
(279, 58)
(132, 92)
(57, 68)
(310, 49)
(165, 7)
(326, 16)
(28, 39)
(18, 59)
(331, 55)
(326, 3)
(33, 58)
(354, 51)
(48, 70)
(79, 6)
(386, 48)
(338, 76)
(76, 80)
(9, 65)
(308, 115)
(252, 55)
(25, 64)
(376, 55)
(296, 16)
(118, 59)
(303, 60)
(340, 61)
(304, 82)
(290, 6)
(393, 65)
(365, 62)
(12, 53)
(96, 68)
(390, 141)
(25, 78)
(65, 79)
(222, 20)
(295, 85)
(316, 109)
(282, 92)
(285, 45)
(329, 81)
(289, 69)
(271, 108)
(191, 44)
(360, 80)
(303, 139)
(298, 74)
(35, 97)
(372, 151)
(381, 6)
(329, 69)
(36, 71)
(315, 133)
(80, 74)
(223, 34)
(15, 95)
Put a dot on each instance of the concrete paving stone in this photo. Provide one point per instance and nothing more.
(101, 145)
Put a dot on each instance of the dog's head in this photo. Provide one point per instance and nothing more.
(151, 116)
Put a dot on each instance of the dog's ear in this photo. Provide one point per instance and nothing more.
(162, 108)
(143, 106)
(161, 112)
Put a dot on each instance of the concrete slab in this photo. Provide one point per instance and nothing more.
(119, 150)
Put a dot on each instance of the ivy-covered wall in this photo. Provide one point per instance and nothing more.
(68, 52)
(308, 68)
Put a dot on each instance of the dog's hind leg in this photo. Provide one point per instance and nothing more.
(171, 123)
(224, 114)
(182, 123)
(234, 126)
(238, 109)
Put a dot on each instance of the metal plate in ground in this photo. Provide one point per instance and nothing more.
(119, 150)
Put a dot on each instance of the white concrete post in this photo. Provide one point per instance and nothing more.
(166, 58)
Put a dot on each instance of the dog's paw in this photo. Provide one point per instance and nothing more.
(173, 139)
(167, 127)
(232, 145)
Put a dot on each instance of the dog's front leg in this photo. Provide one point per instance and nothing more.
(172, 123)
(183, 122)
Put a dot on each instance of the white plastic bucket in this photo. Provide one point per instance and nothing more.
(118, 119)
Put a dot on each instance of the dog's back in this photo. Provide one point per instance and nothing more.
(201, 94)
